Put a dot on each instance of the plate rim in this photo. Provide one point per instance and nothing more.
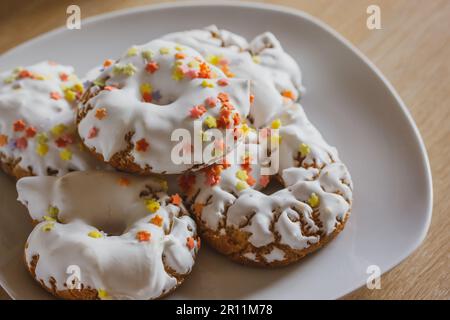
(298, 14)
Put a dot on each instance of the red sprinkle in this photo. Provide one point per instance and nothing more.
(93, 132)
(19, 125)
(223, 82)
(197, 111)
(147, 97)
(142, 145)
(175, 199)
(63, 76)
(152, 67)
(30, 132)
(55, 95)
(21, 143)
(143, 236)
(264, 181)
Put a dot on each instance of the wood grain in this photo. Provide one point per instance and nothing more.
(412, 49)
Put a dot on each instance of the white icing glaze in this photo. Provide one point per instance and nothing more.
(25, 95)
(263, 61)
(170, 109)
(118, 263)
(317, 194)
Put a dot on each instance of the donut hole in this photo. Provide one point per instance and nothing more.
(111, 227)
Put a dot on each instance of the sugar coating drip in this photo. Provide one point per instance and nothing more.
(134, 106)
(275, 76)
(127, 236)
(253, 227)
(37, 121)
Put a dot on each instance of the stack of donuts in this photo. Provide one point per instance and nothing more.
(120, 199)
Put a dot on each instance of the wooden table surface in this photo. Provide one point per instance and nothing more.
(412, 49)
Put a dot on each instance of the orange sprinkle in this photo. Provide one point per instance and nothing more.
(223, 97)
(157, 220)
(19, 125)
(176, 199)
(143, 236)
(124, 182)
(30, 132)
(152, 67)
(198, 208)
(288, 94)
(190, 243)
(147, 97)
(250, 180)
(142, 145)
(63, 76)
(55, 95)
(180, 55)
(205, 71)
(3, 140)
(107, 63)
(264, 181)
(252, 98)
(25, 74)
(101, 113)
(198, 242)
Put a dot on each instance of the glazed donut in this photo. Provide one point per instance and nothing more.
(37, 121)
(275, 76)
(148, 251)
(128, 116)
(239, 219)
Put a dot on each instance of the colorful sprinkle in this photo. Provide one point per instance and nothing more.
(241, 185)
(42, 149)
(102, 294)
(142, 145)
(152, 67)
(207, 84)
(19, 125)
(276, 124)
(21, 143)
(252, 98)
(101, 113)
(157, 220)
(58, 129)
(63, 76)
(53, 211)
(95, 234)
(190, 243)
(70, 95)
(143, 236)
(147, 54)
(65, 155)
(180, 55)
(152, 205)
(211, 122)
(223, 82)
(176, 199)
(197, 111)
(242, 175)
(164, 50)
(304, 150)
(55, 95)
(313, 200)
(256, 59)
(132, 52)
(223, 97)
(93, 132)
(107, 63)
(210, 102)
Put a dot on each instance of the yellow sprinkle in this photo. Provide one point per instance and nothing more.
(179, 48)
(193, 64)
(256, 59)
(95, 234)
(69, 95)
(313, 200)
(42, 137)
(304, 150)
(164, 50)
(47, 218)
(132, 52)
(65, 155)
(245, 129)
(9, 79)
(42, 149)
(78, 87)
(147, 54)
(177, 74)
(152, 205)
(53, 211)
(58, 129)
(211, 122)
(242, 175)
(213, 59)
(207, 84)
(48, 226)
(276, 124)
(241, 185)
(102, 294)
(146, 88)
(129, 69)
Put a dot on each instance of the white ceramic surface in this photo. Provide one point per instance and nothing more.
(347, 98)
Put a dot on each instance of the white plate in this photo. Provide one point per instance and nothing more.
(348, 99)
